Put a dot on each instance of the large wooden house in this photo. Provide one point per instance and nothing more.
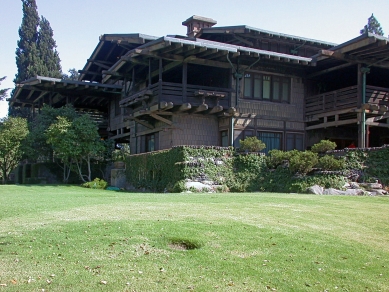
(218, 85)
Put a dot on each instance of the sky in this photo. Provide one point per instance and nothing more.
(77, 24)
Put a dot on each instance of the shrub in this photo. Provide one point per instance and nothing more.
(323, 146)
(251, 144)
(302, 162)
(96, 184)
(278, 157)
(328, 162)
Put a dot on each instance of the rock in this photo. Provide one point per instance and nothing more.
(198, 186)
(354, 185)
(317, 190)
(380, 192)
(355, 192)
(332, 191)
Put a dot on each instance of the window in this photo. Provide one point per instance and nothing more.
(241, 135)
(294, 141)
(224, 138)
(273, 140)
(266, 87)
(150, 142)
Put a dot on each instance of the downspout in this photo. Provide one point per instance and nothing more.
(238, 77)
(364, 71)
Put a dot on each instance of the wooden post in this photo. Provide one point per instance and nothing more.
(359, 104)
(160, 80)
(184, 81)
(149, 73)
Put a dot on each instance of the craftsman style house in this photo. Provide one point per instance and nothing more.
(217, 85)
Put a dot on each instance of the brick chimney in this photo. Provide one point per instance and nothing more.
(195, 23)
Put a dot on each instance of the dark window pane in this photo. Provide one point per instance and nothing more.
(257, 88)
(224, 139)
(271, 140)
(266, 87)
(247, 85)
(276, 88)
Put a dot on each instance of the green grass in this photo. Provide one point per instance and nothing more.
(67, 238)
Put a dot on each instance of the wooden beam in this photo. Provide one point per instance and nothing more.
(216, 109)
(330, 70)
(163, 105)
(144, 123)
(332, 124)
(184, 107)
(201, 108)
(376, 124)
(166, 121)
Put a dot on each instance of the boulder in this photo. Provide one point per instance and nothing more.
(316, 190)
(198, 186)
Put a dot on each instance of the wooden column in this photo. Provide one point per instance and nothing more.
(149, 83)
(160, 80)
(361, 139)
(184, 81)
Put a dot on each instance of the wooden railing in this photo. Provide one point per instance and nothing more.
(175, 92)
(344, 98)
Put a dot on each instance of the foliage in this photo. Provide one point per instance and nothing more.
(300, 184)
(329, 162)
(168, 169)
(121, 153)
(76, 142)
(3, 92)
(277, 157)
(73, 75)
(36, 52)
(377, 165)
(323, 146)
(12, 133)
(303, 162)
(248, 172)
(28, 60)
(372, 26)
(49, 56)
(96, 184)
(251, 144)
(36, 146)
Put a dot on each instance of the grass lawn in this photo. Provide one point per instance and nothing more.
(67, 238)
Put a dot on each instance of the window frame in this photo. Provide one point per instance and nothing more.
(276, 89)
(281, 137)
(295, 134)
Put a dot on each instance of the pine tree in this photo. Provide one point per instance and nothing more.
(372, 26)
(47, 51)
(27, 56)
(36, 53)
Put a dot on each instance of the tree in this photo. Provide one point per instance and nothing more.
(36, 53)
(12, 133)
(77, 143)
(28, 61)
(3, 92)
(47, 51)
(73, 75)
(372, 26)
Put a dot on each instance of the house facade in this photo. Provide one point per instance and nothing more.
(218, 85)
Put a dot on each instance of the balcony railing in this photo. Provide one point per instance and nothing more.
(345, 98)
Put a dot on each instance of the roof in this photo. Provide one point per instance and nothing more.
(193, 50)
(34, 91)
(244, 29)
(109, 49)
(368, 49)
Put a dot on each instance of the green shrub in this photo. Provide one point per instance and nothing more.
(278, 157)
(251, 144)
(96, 184)
(300, 185)
(329, 162)
(302, 162)
(323, 146)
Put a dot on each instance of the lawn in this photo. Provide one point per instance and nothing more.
(67, 238)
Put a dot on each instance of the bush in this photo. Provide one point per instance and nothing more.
(96, 184)
(323, 146)
(328, 162)
(302, 162)
(251, 144)
(278, 157)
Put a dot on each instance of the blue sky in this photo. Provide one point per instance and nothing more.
(77, 24)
